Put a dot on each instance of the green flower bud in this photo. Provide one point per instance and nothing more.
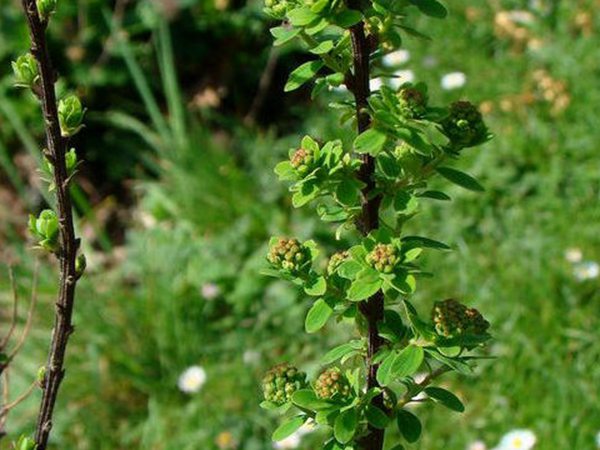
(25, 70)
(41, 375)
(464, 125)
(80, 265)
(278, 8)
(280, 382)
(70, 115)
(413, 102)
(384, 258)
(289, 255)
(452, 319)
(46, 8)
(303, 161)
(24, 443)
(336, 261)
(332, 385)
(45, 229)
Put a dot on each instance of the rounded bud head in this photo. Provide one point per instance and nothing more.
(453, 319)
(289, 255)
(70, 115)
(46, 8)
(280, 383)
(303, 161)
(384, 258)
(413, 102)
(464, 125)
(25, 70)
(336, 261)
(332, 385)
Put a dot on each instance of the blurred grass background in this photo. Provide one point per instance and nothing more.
(178, 199)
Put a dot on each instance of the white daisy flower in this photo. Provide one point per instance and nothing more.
(210, 291)
(573, 255)
(477, 445)
(453, 80)
(586, 270)
(518, 440)
(401, 77)
(396, 58)
(191, 380)
(251, 357)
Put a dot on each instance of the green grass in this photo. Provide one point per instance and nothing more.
(142, 322)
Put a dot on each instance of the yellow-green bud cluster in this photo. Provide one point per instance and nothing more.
(303, 161)
(453, 319)
(384, 258)
(70, 115)
(45, 229)
(25, 70)
(278, 8)
(289, 255)
(332, 384)
(280, 382)
(413, 102)
(336, 260)
(46, 8)
(464, 125)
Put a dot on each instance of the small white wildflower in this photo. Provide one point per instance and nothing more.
(586, 270)
(210, 291)
(292, 441)
(518, 440)
(396, 58)
(251, 357)
(375, 84)
(191, 380)
(477, 445)
(401, 77)
(573, 255)
(453, 80)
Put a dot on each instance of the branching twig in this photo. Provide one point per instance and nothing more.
(56, 145)
(13, 320)
(419, 387)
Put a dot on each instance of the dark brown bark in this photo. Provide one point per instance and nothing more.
(368, 221)
(56, 147)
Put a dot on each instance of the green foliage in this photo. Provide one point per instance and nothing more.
(44, 228)
(26, 71)
(70, 115)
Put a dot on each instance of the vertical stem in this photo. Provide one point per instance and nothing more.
(372, 309)
(56, 148)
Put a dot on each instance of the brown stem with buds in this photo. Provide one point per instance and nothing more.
(56, 149)
(368, 221)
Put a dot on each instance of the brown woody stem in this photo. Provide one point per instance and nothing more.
(368, 221)
(56, 148)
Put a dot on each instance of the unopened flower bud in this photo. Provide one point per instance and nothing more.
(413, 102)
(303, 161)
(452, 319)
(280, 383)
(25, 70)
(336, 261)
(80, 265)
(332, 385)
(289, 255)
(464, 125)
(384, 258)
(70, 115)
(46, 8)
(45, 229)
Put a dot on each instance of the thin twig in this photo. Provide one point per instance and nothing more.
(29, 320)
(7, 407)
(13, 321)
(419, 387)
(56, 145)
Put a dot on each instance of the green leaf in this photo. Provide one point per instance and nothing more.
(338, 352)
(408, 361)
(347, 18)
(317, 316)
(283, 35)
(302, 74)
(436, 195)
(371, 142)
(285, 171)
(384, 372)
(377, 417)
(446, 398)
(425, 242)
(322, 48)
(432, 8)
(300, 17)
(349, 269)
(288, 427)
(461, 179)
(347, 193)
(344, 426)
(316, 286)
(409, 425)
(363, 288)
(307, 399)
